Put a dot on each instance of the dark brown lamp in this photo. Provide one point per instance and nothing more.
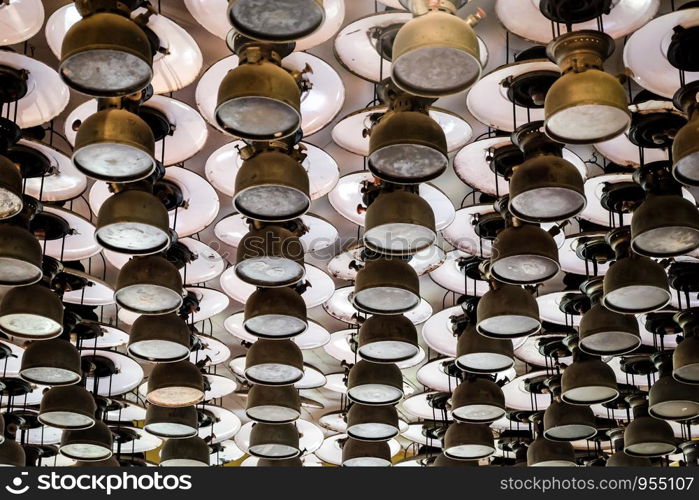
(375, 383)
(275, 441)
(357, 453)
(88, 445)
(68, 407)
(171, 423)
(51, 362)
(276, 20)
(149, 285)
(274, 362)
(386, 286)
(162, 338)
(175, 384)
(31, 312)
(273, 404)
(372, 423)
(275, 313)
(187, 452)
(387, 339)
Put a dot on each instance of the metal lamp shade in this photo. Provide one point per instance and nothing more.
(149, 285)
(171, 423)
(435, 55)
(524, 254)
(566, 422)
(685, 361)
(476, 353)
(545, 453)
(275, 20)
(506, 312)
(31, 312)
(68, 407)
(20, 256)
(51, 362)
(11, 202)
(647, 436)
(114, 145)
(272, 186)
(273, 404)
(259, 101)
(670, 399)
(407, 147)
(621, 459)
(162, 338)
(270, 257)
(468, 441)
(635, 285)
(372, 423)
(585, 105)
(285, 462)
(186, 452)
(275, 313)
(88, 445)
(133, 222)
(588, 381)
(387, 339)
(12, 454)
(685, 152)
(175, 385)
(444, 461)
(357, 453)
(386, 286)
(665, 226)
(108, 462)
(274, 362)
(546, 188)
(477, 401)
(274, 441)
(375, 383)
(608, 333)
(106, 55)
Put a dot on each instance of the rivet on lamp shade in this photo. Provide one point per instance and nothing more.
(175, 384)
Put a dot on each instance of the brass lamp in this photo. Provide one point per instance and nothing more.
(647, 436)
(276, 20)
(161, 338)
(685, 147)
(10, 189)
(270, 256)
(274, 362)
(477, 353)
(20, 256)
(51, 362)
(588, 380)
(175, 384)
(31, 312)
(386, 286)
(399, 223)
(545, 187)
(468, 441)
(68, 407)
(436, 54)
(186, 452)
(88, 445)
(372, 423)
(477, 400)
(134, 222)
(387, 339)
(670, 399)
(259, 99)
(272, 184)
(275, 441)
(685, 359)
(357, 453)
(114, 144)
(106, 53)
(585, 105)
(273, 404)
(275, 313)
(507, 311)
(375, 383)
(149, 285)
(171, 423)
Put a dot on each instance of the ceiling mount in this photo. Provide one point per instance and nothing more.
(571, 12)
(13, 84)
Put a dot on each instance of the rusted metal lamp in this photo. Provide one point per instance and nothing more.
(149, 285)
(88, 445)
(276, 20)
(566, 422)
(358, 453)
(647, 436)
(68, 407)
(270, 256)
(477, 400)
(274, 362)
(665, 224)
(399, 223)
(273, 404)
(372, 423)
(477, 353)
(275, 441)
(387, 339)
(162, 338)
(545, 187)
(588, 380)
(436, 53)
(272, 184)
(106, 53)
(506, 312)
(633, 284)
(171, 423)
(259, 99)
(685, 359)
(51, 362)
(375, 383)
(585, 105)
(275, 313)
(468, 441)
(175, 384)
(31, 312)
(670, 399)
(386, 286)
(20, 256)
(685, 147)
(187, 452)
